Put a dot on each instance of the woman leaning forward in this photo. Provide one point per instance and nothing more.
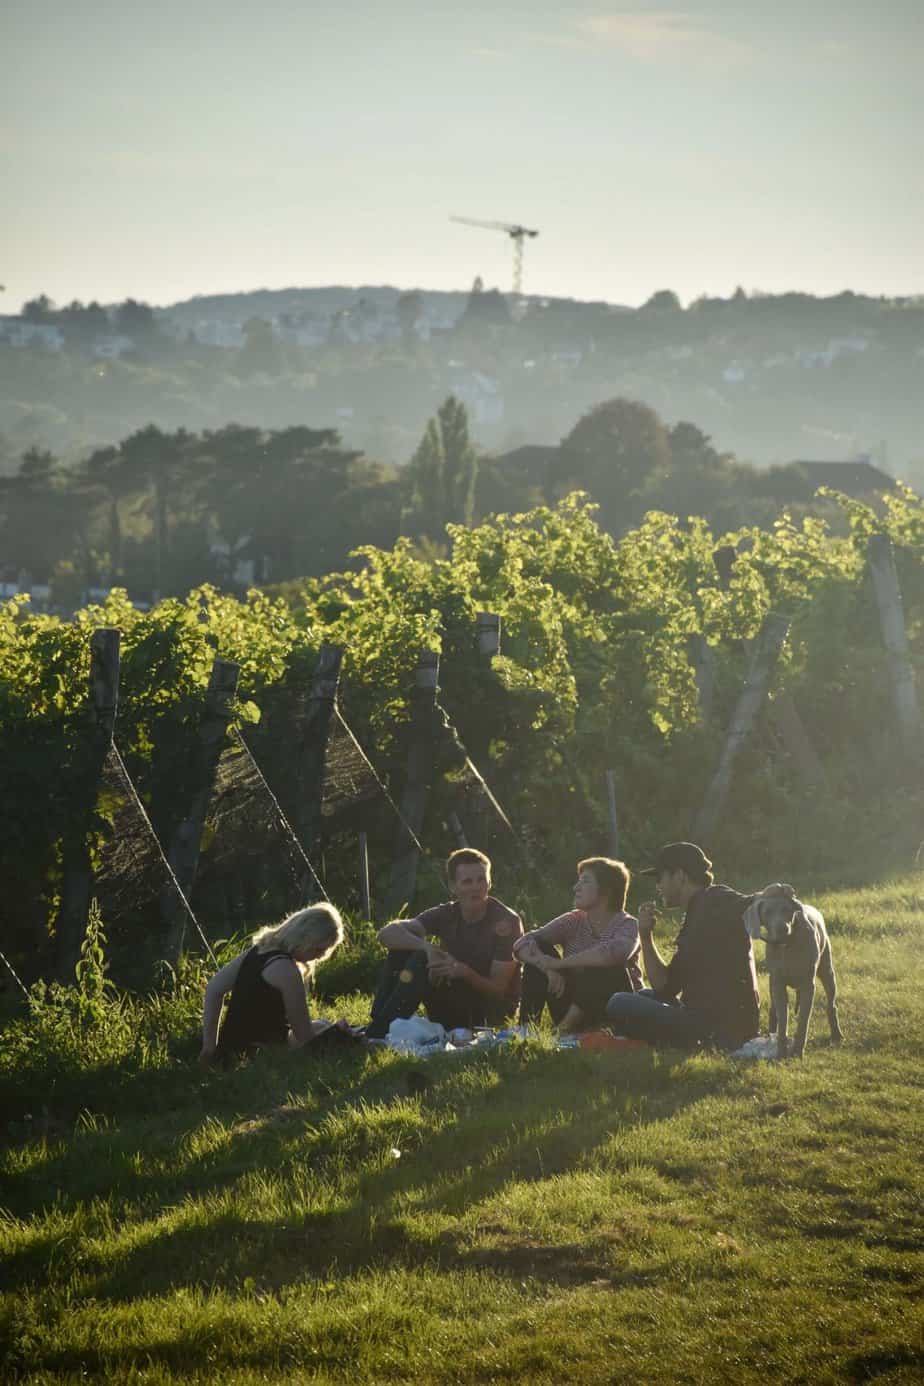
(267, 981)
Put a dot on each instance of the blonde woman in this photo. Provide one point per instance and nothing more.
(267, 985)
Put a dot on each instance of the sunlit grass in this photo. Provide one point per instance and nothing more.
(548, 1216)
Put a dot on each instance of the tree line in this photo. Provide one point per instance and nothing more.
(165, 510)
(773, 376)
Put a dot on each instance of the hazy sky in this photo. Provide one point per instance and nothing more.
(160, 148)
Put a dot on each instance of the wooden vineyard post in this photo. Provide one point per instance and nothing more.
(785, 719)
(424, 731)
(365, 893)
(763, 661)
(895, 638)
(613, 814)
(183, 852)
(479, 729)
(488, 627)
(77, 883)
(322, 699)
(702, 657)
(454, 824)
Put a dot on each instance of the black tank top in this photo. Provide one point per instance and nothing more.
(256, 1012)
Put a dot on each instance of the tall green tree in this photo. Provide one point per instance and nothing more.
(41, 519)
(104, 472)
(620, 452)
(156, 458)
(460, 461)
(442, 473)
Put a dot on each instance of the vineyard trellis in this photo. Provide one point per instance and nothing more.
(231, 764)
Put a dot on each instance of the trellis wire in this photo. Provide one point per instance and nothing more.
(129, 785)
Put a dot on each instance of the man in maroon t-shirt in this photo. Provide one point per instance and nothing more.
(469, 975)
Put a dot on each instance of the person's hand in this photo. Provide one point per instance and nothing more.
(447, 970)
(556, 984)
(526, 949)
(647, 915)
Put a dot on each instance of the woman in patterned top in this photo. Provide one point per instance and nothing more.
(599, 954)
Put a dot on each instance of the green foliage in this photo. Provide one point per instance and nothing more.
(619, 451)
(442, 474)
(91, 1039)
(595, 673)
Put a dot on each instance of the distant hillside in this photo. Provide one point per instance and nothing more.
(768, 378)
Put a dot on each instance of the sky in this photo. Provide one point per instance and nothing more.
(160, 150)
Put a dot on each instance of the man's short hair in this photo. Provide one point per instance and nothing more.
(685, 857)
(466, 856)
(612, 878)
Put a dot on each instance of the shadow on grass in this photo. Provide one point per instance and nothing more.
(538, 1114)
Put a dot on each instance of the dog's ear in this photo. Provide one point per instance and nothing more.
(775, 889)
(788, 890)
(751, 918)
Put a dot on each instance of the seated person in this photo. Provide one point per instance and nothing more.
(599, 952)
(267, 985)
(712, 971)
(469, 976)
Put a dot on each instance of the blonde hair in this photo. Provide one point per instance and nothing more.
(315, 928)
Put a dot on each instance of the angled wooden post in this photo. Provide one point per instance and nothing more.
(789, 727)
(77, 882)
(321, 702)
(454, 824)
(750, 700)
(425, 730)
(895, 638)
(183, 851)
(488, 627)
(702, 657)
(613, 813)
(479, 730)
(365, 893)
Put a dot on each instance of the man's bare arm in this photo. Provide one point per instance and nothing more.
(408, 935)
(655, 966)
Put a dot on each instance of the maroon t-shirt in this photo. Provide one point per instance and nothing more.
(490, 939)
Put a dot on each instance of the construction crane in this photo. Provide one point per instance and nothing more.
(516, 234)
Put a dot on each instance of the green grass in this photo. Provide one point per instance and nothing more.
(552, 1216)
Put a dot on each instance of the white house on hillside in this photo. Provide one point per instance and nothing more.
(31, 334)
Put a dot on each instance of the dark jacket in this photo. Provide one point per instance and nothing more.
(713, 969)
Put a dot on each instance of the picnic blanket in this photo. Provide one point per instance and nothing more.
(424, 1038)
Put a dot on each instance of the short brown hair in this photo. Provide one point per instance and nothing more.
(466, 856)
(611, 876)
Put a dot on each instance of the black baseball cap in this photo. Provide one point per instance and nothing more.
(679, 856)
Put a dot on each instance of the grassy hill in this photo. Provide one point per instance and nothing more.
(524, 1214)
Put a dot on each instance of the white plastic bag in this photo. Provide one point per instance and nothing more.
(416, 1036)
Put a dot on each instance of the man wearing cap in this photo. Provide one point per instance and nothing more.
(712, 971)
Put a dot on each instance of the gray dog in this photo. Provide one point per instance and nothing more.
(798, 949)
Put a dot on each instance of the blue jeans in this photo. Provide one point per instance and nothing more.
(643, 1015)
